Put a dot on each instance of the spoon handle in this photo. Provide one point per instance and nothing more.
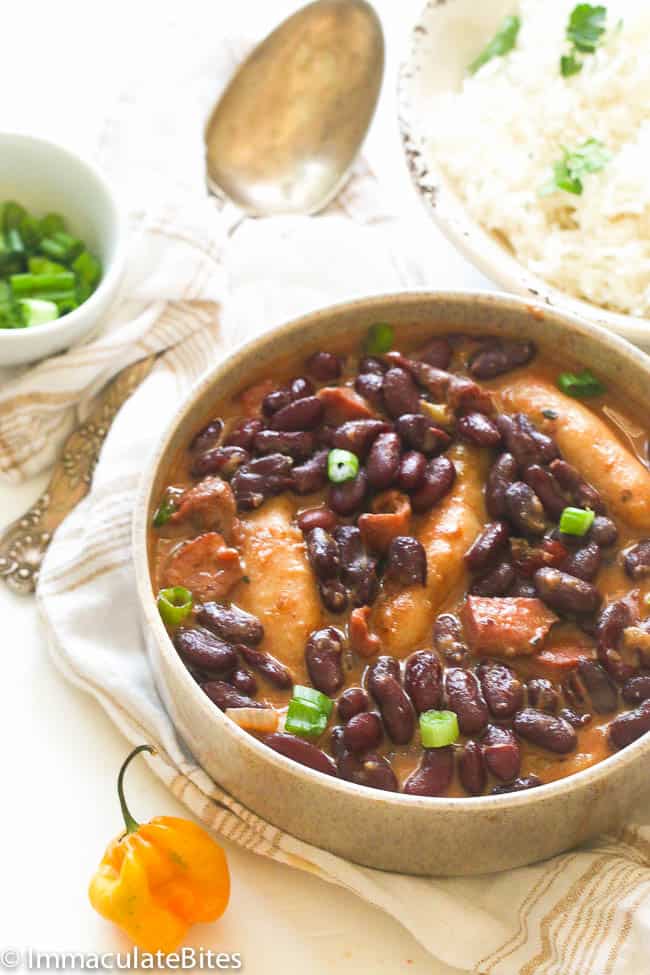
(24, 542)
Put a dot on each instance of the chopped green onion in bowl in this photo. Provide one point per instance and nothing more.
(45, 272)
(576, 521)
(305, 719)
(312, 696)
(379, 339)
(342, 465)
(580, 385)
(174, 604)
(438, 728)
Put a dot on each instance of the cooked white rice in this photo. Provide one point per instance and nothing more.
(498, 138)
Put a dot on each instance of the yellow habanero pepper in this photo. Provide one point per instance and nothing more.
(157, 879)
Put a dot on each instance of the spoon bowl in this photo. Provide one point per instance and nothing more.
(285, 132)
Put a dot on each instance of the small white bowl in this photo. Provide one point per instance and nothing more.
(445, 39)
(46, 178)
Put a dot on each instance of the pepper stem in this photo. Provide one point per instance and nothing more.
(129, 822)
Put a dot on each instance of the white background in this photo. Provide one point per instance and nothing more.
(60, 63)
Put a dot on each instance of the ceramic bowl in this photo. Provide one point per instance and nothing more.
(446, 38)
(44, 178)
(382, 829)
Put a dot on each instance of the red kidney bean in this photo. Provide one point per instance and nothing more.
(574, 718)
(334, 595)
(243, 433)
(502, 689)
(502, 474)
(478, 429)
(363, 732)
(433, 775)
(352, 701)
(570, 480)
(321, 517)
(260, 479)
(436, 353)
(420, 432)
(358, 569)
(272, 669)
(298, 444)
(400, 393)
(466, 396)
(565, 593)
(436, 381)
(372, 364)
(613, 620)
(336, 742)
(542, 695)
(603, 532)
(524, 441)
(630, 725)
(529, 558)
(524, 509)
(600, 687)
(225, 696)
(372, 770)
(208, 436)
(358, 435)
(325, 436)
(521, 587)
(370, 385)
(406, 562)
(383, 461)
(311, 475)
(412, 470)
(346, 498)
(275, 400)
(449, 640)
(487, 546)
(300, 751)
(243, 681)
(323, 659)
(439, 478)
(395, 706)
(495, 582)
(300, 414)
(471, 768)
(220, 460)
(519, 785)
(301, 387)
(636, 688)
(497, 357)
(382, 665)
(323, 554)
(546, 730)
(547, 490)
(200, 648)
(464, 696)
(584, 563)
(501, 752)
(423, 680)
(637, 560)
(574, 690)
(324, 366)
(231, 623)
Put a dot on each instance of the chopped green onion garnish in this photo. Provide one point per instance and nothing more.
(503, 41)
(305, 719)
(342, 465)
(38, 311)
(163, 513)
(379, 339)
(576, 521)
(174, 604)
(51, 223)
(438, 728)
(43, 265)
(580, 385)
(312, 696)
(41, 285)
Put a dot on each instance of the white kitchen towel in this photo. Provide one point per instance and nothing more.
(583, 913)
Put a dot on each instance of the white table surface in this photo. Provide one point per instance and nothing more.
(61, 753)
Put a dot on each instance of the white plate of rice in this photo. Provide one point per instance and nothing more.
(482, 149)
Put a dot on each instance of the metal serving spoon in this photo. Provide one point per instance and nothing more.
(281, 139)
(288, 127)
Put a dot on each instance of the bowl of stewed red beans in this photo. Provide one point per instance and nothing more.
(394, 568)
